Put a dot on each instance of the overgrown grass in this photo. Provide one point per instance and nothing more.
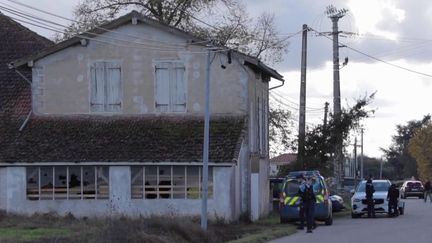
(53, 228)
(14, 234)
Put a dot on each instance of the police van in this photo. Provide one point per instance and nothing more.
(289, 200)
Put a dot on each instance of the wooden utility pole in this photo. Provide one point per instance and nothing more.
(355, 161)
(302, 116)
(335, 14)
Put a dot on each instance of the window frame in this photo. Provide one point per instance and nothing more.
(171, 65)
(105, 109)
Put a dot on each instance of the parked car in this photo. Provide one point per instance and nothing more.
(337, 203)
(359, 203)
(290, 201)
(412, 189)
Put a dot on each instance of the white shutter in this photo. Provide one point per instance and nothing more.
(97, 99)
(113, 87)
(162, 87)
(178, 91)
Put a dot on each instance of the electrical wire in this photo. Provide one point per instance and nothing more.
(97, 27)
(377, 59)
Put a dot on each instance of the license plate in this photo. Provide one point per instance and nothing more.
(415, 189)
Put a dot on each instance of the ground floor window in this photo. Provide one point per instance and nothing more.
(67, 182)
(169, 182)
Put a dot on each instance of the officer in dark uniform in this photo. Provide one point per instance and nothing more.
(302, 186)
(308, 199)
(392, 197)
(369, 198)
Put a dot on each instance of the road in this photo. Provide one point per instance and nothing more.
(413, 226)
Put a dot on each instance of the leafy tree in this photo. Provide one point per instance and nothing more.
(280, 130)
(420, 147)
(398, 155)
(320, 140)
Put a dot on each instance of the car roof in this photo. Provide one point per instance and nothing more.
(380, 180)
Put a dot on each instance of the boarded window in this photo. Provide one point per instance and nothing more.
(67, 182)
(169, 182)
(170, 87)
(105, 87)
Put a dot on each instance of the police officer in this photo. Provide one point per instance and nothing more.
(302, 186)
(308, 199)
(369, 198)
(392, 197)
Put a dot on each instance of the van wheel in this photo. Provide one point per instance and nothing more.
(329, 220)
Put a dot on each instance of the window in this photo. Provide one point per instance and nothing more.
(170, 87)
(105, 86)
(67, 182)
(169, 182)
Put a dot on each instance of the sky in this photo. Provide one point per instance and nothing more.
(396, 32)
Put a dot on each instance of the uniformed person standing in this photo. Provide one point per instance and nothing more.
(369, 198)
(302, 186)
(308, 199)
(392, 197)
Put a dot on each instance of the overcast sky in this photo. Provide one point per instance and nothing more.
(395, 31)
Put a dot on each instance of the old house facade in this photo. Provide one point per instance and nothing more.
(117, 127)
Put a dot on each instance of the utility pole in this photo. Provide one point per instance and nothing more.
(361, 158)
(335, 14)
(355, 161)
(302, 116)
(325, 114)
(206, 145)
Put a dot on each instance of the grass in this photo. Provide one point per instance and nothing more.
(156, 229)
(23, 235)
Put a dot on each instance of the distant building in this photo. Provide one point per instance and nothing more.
(280, 160)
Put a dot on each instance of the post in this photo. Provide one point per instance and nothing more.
(381, 165)
(206, 145)
(302, 116)
(338, 164)
(361, 152)
(355, 161)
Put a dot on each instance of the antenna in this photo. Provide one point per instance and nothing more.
(333, 12)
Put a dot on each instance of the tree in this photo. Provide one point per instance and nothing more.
(232, 28)
(398, 155)
(420, 148)
(320, 140)
(280, 130)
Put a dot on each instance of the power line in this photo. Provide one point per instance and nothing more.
(377, 59)
(78, 22)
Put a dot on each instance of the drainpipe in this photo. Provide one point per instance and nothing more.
(31, 111)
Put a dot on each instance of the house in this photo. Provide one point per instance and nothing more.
(281, 160)
(117, 127)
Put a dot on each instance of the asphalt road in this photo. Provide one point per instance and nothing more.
(414, 226)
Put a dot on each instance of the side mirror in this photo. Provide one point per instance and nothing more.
(352, 191)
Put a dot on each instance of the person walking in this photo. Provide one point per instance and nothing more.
(308, 199)
(392, 198)
(369, 198)
(428, 191)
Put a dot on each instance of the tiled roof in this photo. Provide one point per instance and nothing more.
(284, 158)
(15, 93)
(127, 139)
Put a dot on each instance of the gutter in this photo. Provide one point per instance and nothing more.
(275, 87)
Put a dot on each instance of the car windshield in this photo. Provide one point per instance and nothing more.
(381, 186)
(291, 186)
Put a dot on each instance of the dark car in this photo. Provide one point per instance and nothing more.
(412, 189)
(337, 203)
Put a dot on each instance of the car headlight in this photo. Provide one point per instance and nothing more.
(356, 200)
